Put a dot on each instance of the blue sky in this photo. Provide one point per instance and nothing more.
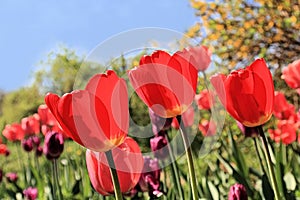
(32, 28)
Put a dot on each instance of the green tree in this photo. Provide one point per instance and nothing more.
(20, 103)
(237, 31)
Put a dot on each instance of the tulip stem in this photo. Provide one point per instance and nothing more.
(56, 180)
(269, 162)
(114, 175)
(174, 169)
(189, 156)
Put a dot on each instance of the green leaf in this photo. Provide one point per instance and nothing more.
(267, 189)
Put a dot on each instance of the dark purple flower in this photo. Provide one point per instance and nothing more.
(30, 193)
(158, 146)
(159, 123)
(39, 151)
(1, 175)
(53, 145)
(7, 153)
(247, 131)
(150, 178)
(11, 177)
(237, 192)
(27, 144)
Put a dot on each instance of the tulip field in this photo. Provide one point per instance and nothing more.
(213, 136)
(210, 117)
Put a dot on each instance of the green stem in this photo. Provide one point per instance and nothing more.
(114, 175)
(259, 157)
(269, 162)
(174, 169)
(56, 182)
(189, 159)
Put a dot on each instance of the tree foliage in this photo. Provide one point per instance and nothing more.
(238, 31)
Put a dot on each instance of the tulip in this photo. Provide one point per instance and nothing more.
(159, 123)
(53, 145)
(207, 128)
(46, 117)
(39, 151)
(285, 132)
(31, 125)
(150, 178)
(3, 149)
(237, 192)
(204, 100)
(30, 193)
(187, 118)
(11, 177)
(128, 162)
(97, 117)
(13, 132)
(158, 146)
(283, 109)
(165, 83)
(200, 57)
(247, 94)
(291, 74)
(27, 144)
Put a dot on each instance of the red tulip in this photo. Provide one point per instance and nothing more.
(200, 57)
(291, 74)
(207, 128)
(46, 117)
(4, 150)
(247, 94)
(165, 83)
(283, 109)
(31, 124)
(129, 164)
(13, 132)
(187, 118)
(96, 117)
(285, 132)
(204, 100)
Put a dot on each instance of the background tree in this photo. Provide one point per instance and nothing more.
(240, 30)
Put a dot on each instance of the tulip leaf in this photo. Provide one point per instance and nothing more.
(213, 191)
(267, 189)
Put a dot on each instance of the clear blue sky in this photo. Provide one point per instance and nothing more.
(32, 28)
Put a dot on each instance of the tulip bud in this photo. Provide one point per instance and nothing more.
(36, 140)
(237, 192)
(30, 193)
(53, 145)
(11, 177)
(157, 146)
(27, 144)
(39, 151)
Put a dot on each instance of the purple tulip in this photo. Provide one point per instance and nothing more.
(11, 177)
(159, 123)
(53, 145)
(158, 146)
(30, 193)
(237, 192)
(247, 131)
(39, 151)
(150, 178)
(27, 144)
